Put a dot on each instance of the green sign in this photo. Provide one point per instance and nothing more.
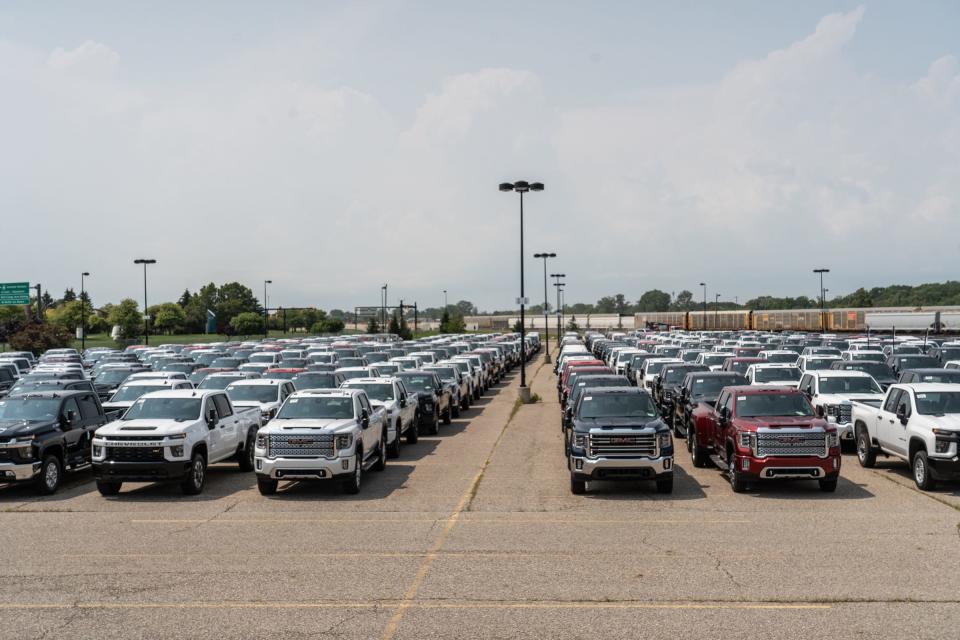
(14, 293)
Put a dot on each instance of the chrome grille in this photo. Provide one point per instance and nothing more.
(843, 412)
(792, 443)
(301, 446)
(628, 444)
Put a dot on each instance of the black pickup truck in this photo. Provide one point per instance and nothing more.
(43, 434)
(700, 387)
(433, 397)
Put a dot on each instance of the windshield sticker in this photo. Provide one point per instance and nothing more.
(294, 400)
(699, 381)
(739, 398)
(921, 396)
(588, 399)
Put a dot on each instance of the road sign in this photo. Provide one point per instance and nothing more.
(14, 293)
(523, 300)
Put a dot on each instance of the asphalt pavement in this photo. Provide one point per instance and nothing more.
(475, 534)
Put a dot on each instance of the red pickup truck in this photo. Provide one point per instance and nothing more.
(759, 433)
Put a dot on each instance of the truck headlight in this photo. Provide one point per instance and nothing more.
(580, 440)
(833, 439)
(743, 439)
(262, 441)
(344, 441)
(97, 451)
(665, 440)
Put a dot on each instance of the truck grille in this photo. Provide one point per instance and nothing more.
(135, 454)
(792, 443)
(842, 412)
(308, 446)
(623, 445)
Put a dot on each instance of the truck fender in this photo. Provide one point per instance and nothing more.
(200, 447)
(916, 444)
(53, 448)
(860, 424)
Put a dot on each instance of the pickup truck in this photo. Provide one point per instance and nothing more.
(130, 390)
(832, 391)
(432, 396)
(265, 395)
(666, 391)
(322, 434)
(701, 387)
(617, 434)
(42, 434)
(450, 377)
(917, 423)
(173, 436)
(758, 433)
(400, 408)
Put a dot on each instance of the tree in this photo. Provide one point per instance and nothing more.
(47, 301)
(394, 324)
(683, 302)
(126, 315)
(572, 324)
(247, 323)
(168, 317)
(185, 298)
(68, 315)
(37, 337)
(517, 326)
(340, 314)
(333, 325)
(654, 300)
(445, 322)
(232, 299)
(373, 326)
(620, 303)
(466, 308)
(404, 331)
(12, 320)
(68, 295)
(606, 304)
(456, 324)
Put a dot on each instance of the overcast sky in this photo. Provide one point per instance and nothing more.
(334, 147)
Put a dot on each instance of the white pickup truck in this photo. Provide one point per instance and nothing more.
(173, 436)
(321, 434)
(400, 407)
(264, 394)
(831, 391)
(918, 423)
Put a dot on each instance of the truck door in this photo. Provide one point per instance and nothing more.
(898, 430)
(369, 435)
(91, 417)
(71, 424)
(227, 426)
(885, 426)
(213, 432)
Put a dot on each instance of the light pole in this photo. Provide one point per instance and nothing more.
(383, 308)
(823, 324)
(522, 187)
(704, 285)
(716, 311)
(558, 284)
(546, 327)
(445, 303)
(265, 314)
(146, 317)
(83, 315)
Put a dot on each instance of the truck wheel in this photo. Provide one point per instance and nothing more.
(921, 472)
(196, 476)
(737, 483)
(413, 433)
(689, 440)
(866, 454)
(352, 485)
(828, 485)
(435, 423)
(454, 409)
(107, 488)
(577, 487)
(381, 462)
(697, 455)
(393, 450)
(665, 485)
(267, 486)
(50, 472)
(446, 416)
(245, 458)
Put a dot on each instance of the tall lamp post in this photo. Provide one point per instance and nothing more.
(265, 314)
(704, 285)
(383, 308)
(445, 303)
(823, 324)
(546, 327)
(83, 314)
(716, 311)
(522, 187)
(558, 284)
(146, 317)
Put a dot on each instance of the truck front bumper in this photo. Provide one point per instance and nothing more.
(771, 468)
(156, 471)
(304, 468)
(585, 468)
(945, 468)
(10, 472)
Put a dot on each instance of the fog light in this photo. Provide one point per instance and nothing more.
(745, 464)
(667, 464)
(97, 451)
(177, 451)
(942, 446)
(345, 464)
(836, 463)
(579, 465)
(259, 464)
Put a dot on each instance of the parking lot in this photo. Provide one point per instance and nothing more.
(474, 533)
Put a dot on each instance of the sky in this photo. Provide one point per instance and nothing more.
(334, 147)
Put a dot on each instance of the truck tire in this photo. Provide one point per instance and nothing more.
(50, 473)
(866, 454)
(665, 484)
(828, 485)
(381, 462)
(577, 487)
(196, 476)
(245, 459)
(446, 416)
(266, 486)
(737, 482)
(698, 456)
(454, 408)
(413, 433)
(393, 450)
(107, 488)
(352, 484)
(435, 423)
(921, 472)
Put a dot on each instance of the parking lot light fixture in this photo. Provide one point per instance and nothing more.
(546, 328)
(704, 285)
(83, 315)
(823, 323)
(265, 314)
(146, 317)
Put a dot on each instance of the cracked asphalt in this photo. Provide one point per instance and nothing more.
(474, 534)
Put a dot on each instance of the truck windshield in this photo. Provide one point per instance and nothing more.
(918, 362)
(351, 362)
(710, 359)
(852, 384)
(320, 408)
(618, 405)
(179, 409)
(949, 376)
(261, 393)
(113, 377)
(217, 383)
(375, 390)
(419, 382)
(938, 403)
(29, 408)
(674, 376)
(876, 369)
(773, 404)
(867, 357)
(303, 381)
(447, 373)
(653, 368)
(265, 358)
(711, 385)
(785, 358)
(776, 374)
(132, 392)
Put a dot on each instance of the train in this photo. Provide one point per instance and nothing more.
(833, 320)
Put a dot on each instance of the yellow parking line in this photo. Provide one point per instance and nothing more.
(407, 554)
(585, 521)
(416, 605)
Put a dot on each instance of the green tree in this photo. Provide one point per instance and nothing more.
(572, 324)
(654, 300)
(247, 323)
(373, 326)
(168, 317)
(445, 322)
(37, 337)
(68, 315)
(404, 331)
(68, 295)
(466, 308)
(606, 304)
(394, 324)
(232, 299)
(620, 303)
(126, 315)
(185, 298)
(12, 320)
(683, 302)
(456, 324)
(334, 325)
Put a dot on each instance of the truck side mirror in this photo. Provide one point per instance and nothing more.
(819, 410)
(211, 417)
(724, 415)
(364, 418)
(403, 400)
(902, 414)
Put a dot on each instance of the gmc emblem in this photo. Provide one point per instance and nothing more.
(621, 440)
(300, 442)
(790, 439)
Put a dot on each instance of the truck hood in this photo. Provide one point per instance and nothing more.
(590, 424)
(145, 427)
(327, 426)
(834, 398)
(16, 428)
(947, 421)
(251, 404)
(787, 422)
(782, 383)
(388, 405)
